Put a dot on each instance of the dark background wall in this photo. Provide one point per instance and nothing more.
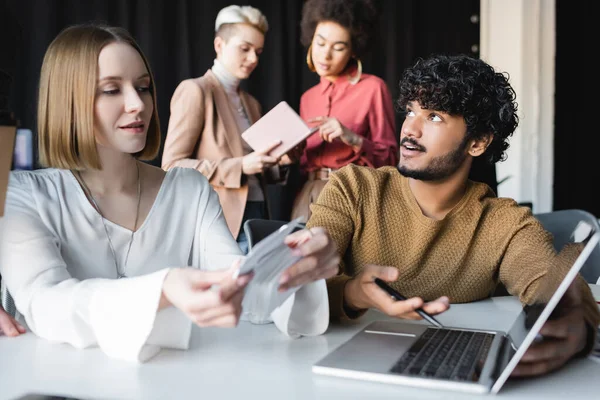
(177, 37)
(576, 172)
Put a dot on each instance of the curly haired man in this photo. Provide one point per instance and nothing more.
(438, 237)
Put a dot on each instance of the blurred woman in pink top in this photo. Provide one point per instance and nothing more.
(353, 110)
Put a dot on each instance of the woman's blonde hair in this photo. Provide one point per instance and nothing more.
(68, 84)
(240, 15)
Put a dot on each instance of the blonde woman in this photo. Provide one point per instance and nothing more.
(209, 114)
(108, 251)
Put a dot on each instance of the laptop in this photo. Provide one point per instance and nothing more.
(448, 358)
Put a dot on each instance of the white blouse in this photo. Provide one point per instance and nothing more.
(57, 263)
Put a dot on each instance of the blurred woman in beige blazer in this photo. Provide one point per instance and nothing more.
(209, 114)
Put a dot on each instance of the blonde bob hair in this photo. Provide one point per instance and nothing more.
(68, 84)
(241, 15)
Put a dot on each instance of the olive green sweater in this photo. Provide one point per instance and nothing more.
(374, 218)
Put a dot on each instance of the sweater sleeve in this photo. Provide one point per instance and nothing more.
(532, 270)
(334, 211)
(116, 315)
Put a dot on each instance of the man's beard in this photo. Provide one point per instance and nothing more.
(440, 167)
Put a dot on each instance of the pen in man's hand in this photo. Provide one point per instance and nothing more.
(397, 296)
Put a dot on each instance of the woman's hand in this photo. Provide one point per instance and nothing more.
(208, 298)
(8, 325)
(294, 154)
(320, 259)
(331, 128)
(257, 161)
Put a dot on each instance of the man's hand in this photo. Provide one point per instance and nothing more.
(564, 338)
(8, 325)
(319, 258)
(362, 293)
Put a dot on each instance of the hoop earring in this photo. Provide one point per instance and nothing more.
(309, 61)
(353, 80)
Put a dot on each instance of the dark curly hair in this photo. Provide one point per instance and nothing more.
(358, 16)
(466, 86)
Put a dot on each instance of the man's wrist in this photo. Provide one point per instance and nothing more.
(350, 312)
(349, 297)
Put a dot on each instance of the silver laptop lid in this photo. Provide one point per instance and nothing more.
(525, 328)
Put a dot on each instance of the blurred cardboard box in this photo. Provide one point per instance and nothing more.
(7, 143)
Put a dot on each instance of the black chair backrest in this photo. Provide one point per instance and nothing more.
(258, 229)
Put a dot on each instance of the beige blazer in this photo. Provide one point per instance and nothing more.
(203, 134)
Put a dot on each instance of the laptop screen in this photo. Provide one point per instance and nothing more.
(531, 319)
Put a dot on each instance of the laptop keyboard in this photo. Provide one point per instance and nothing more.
(446, 354)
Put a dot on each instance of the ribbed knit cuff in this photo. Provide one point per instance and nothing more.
(337, 308)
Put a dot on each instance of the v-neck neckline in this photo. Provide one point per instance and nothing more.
(164, 183)
(413, 205)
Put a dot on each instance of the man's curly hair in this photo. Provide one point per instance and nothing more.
(358, 16)
(469, 87)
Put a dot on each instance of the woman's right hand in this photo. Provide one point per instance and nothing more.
(257, 161)
(208, 298)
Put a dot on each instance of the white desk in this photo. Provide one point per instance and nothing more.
(255, 362)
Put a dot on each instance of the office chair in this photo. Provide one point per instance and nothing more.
(561, 224)
(258, 229)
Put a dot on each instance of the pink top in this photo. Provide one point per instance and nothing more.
(365, 108)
